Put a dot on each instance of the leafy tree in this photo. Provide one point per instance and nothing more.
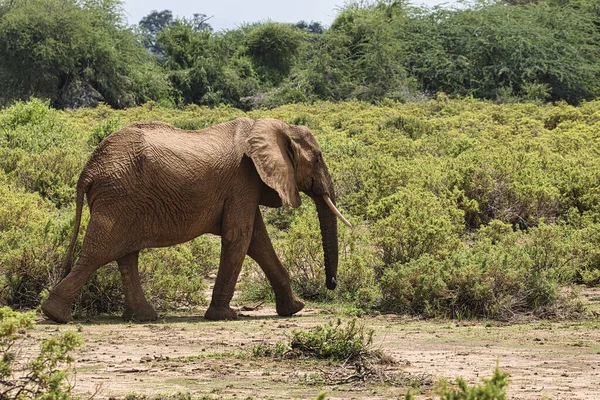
(360, 55)
(310, 27)
(207, 68)
(153, 23)
(490, 51)
(274, 48)
(74, 54)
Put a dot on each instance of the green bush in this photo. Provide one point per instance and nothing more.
(45, 375)
(502, 273)
(75, 54)
(492, 51)
(461, 207)
(171, 277)
(493, 388)
(411, 223)
(273, 48)
(103, 129)
(333, 341)
(207, 68)
(29, 246)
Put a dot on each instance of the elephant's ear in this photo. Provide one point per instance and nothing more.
(268, 145)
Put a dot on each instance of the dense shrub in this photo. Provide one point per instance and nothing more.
(334, 341)
(532, 52)
(274, 47)
(75, 54)
(413, 222)
(462, 208)
(42, 377)
(205, 67)
(502, 273)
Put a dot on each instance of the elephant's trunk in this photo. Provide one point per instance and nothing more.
(328, 224)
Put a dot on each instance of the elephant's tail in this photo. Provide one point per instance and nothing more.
(83, 185)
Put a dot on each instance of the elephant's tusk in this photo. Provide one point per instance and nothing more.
(335, 210)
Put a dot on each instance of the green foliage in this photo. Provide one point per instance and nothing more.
(82, 53)
(275, 351)
(45, 375)
(503, 272)
(171, 276)
(488, 50)
(493, 388)
(274, 47)
(74, 54)
(333, 341)
(204, 67)
(411, 223)
(29, 241)
(12, 326)
(365, 49)
(350, 343)
(103, 129)
(461, 208)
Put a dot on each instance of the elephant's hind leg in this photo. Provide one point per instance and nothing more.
(137, 307)
(58, 305)
(261, 250)
(98, 249)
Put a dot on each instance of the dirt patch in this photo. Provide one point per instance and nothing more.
(191, 355)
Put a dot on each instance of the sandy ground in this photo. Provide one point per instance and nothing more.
(559, 360)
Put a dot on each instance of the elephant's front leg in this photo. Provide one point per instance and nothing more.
(235, 239)
(261, 250)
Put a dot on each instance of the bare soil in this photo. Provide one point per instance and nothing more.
(187, 354)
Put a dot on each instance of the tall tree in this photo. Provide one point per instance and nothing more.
(273, 48)
(312, 27)
(74, 53)
(491, 50)
(205, 67)
(153, 23)
(200, 22)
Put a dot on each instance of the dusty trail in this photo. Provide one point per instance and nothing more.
(560, 360)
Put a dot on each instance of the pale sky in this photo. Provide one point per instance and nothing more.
(229, 14)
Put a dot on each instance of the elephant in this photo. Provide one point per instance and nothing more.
(153, 185)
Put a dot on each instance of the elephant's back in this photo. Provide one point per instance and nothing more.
(163, 170)
(144, 148)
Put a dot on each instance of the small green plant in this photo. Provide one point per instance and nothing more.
(45, 376)
(278, 350)
(493, 388)
(334, 341)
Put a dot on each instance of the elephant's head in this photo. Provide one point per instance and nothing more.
(289, 160)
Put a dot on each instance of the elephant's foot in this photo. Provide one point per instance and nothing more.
(57, 309)
(289, 307)
(218, 313)
(140, 314)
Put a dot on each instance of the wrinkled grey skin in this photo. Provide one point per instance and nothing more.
(153, 185)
